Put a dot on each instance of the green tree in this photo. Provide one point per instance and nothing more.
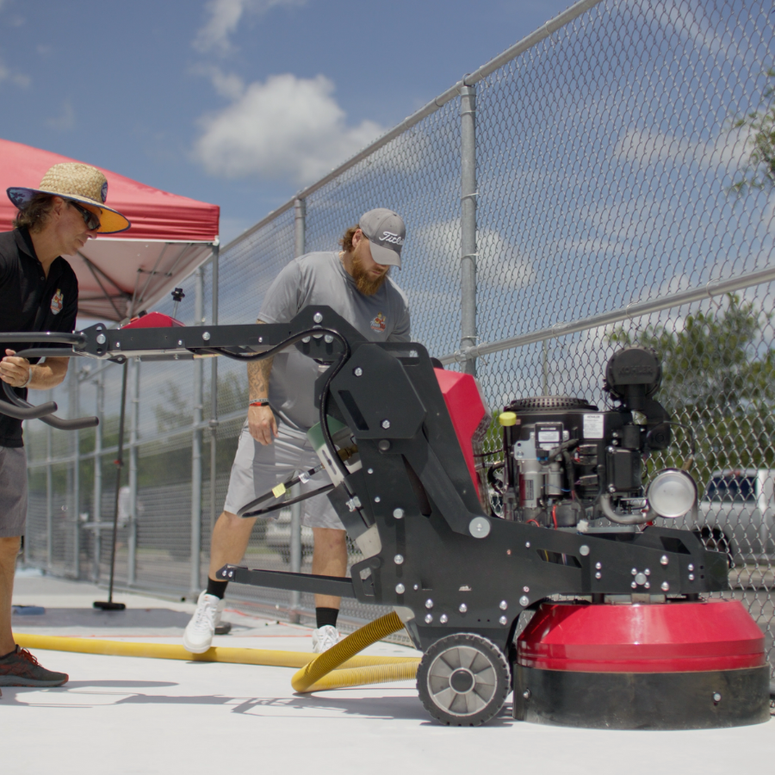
(718, 379)
(761, 123)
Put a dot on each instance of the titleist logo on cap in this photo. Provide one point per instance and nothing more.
(389, 236)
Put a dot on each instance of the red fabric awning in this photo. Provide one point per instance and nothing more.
(121, 274)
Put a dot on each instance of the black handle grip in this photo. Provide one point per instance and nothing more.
(26, 412)
(70, 425)
(22, 410)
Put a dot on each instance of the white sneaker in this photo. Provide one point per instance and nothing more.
(323, 638)
(200, 630)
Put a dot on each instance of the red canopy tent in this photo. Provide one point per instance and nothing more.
(120, 275)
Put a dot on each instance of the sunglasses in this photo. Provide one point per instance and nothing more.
(91, 220)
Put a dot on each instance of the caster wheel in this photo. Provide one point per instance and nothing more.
(463, 680)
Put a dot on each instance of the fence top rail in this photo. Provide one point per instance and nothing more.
(519, 48)
(709, 290)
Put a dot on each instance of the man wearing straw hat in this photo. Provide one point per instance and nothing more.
(38, 292)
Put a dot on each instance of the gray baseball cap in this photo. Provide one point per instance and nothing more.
(385, 231)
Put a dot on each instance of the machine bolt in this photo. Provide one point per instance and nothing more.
(399, 559)
(526, 694)
(598, 575)
(647, 572)
(306, 339)
(358, 372)
(416, 587)
(400, 589)
(583, 550)
(599, 565)
(479, 527)
(503, 605)
(634, 571)
(527, 544)
(665, 586)
(428, 618)
(260, 339)
(526, 589)
(385, 424)
(647, 585)
(634, 585)
(640, 578)
(206, 336)
(328, 338)
(663, 560)
(462, 608)
(716, 697)
(398, 513)
(377, 499)
(503, 620)
(429, 603)
(370, 471)
(524, 601)
(691, 567)
(443, 618)
(611, 488)
(118, 344)
(383, 445)
(691, 577)
(318, 317)
(101, 338)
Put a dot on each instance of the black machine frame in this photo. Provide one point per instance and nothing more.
(430, 551)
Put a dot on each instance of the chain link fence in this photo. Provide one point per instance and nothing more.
(598, 184)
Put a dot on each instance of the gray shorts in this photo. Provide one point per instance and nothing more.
(258, 468)
(13, 491)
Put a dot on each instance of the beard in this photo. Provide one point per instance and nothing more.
(365, 283)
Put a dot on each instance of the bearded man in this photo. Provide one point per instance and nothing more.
(273, 444)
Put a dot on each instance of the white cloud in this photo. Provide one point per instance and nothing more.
(647, 147)
(499, 264)
(65, 120)
(12, 77)
(224, 18)
(284, 128)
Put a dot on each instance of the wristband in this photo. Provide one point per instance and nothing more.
(29, 378)
(259, 402)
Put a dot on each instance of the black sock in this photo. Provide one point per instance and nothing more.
(326, 616)
(217, 588)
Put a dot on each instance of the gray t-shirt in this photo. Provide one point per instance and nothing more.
(320, 278)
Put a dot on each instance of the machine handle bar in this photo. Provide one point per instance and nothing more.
(22, 410)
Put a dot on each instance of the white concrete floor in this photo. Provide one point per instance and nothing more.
(133, 715)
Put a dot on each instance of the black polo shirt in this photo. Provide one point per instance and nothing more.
(30, 301)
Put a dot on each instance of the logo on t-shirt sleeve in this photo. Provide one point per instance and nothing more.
(57, 302)
(379, 323)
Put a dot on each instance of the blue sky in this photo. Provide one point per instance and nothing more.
(236, 102)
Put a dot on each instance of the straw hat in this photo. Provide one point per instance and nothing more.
(78, 182)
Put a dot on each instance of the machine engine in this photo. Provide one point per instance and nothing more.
(566, 463)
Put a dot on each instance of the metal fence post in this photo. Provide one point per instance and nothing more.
(49, 497)
(97, 507)
(214, 396)
(133, 464)
(468, 194)
(300, 215)
(196, 450)
(75, 412)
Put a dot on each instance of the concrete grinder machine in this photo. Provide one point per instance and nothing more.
(548, 572)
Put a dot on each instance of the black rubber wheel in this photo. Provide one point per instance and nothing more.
(463, 680)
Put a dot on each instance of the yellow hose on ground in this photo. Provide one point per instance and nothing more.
(314, 676)
(348, 669)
